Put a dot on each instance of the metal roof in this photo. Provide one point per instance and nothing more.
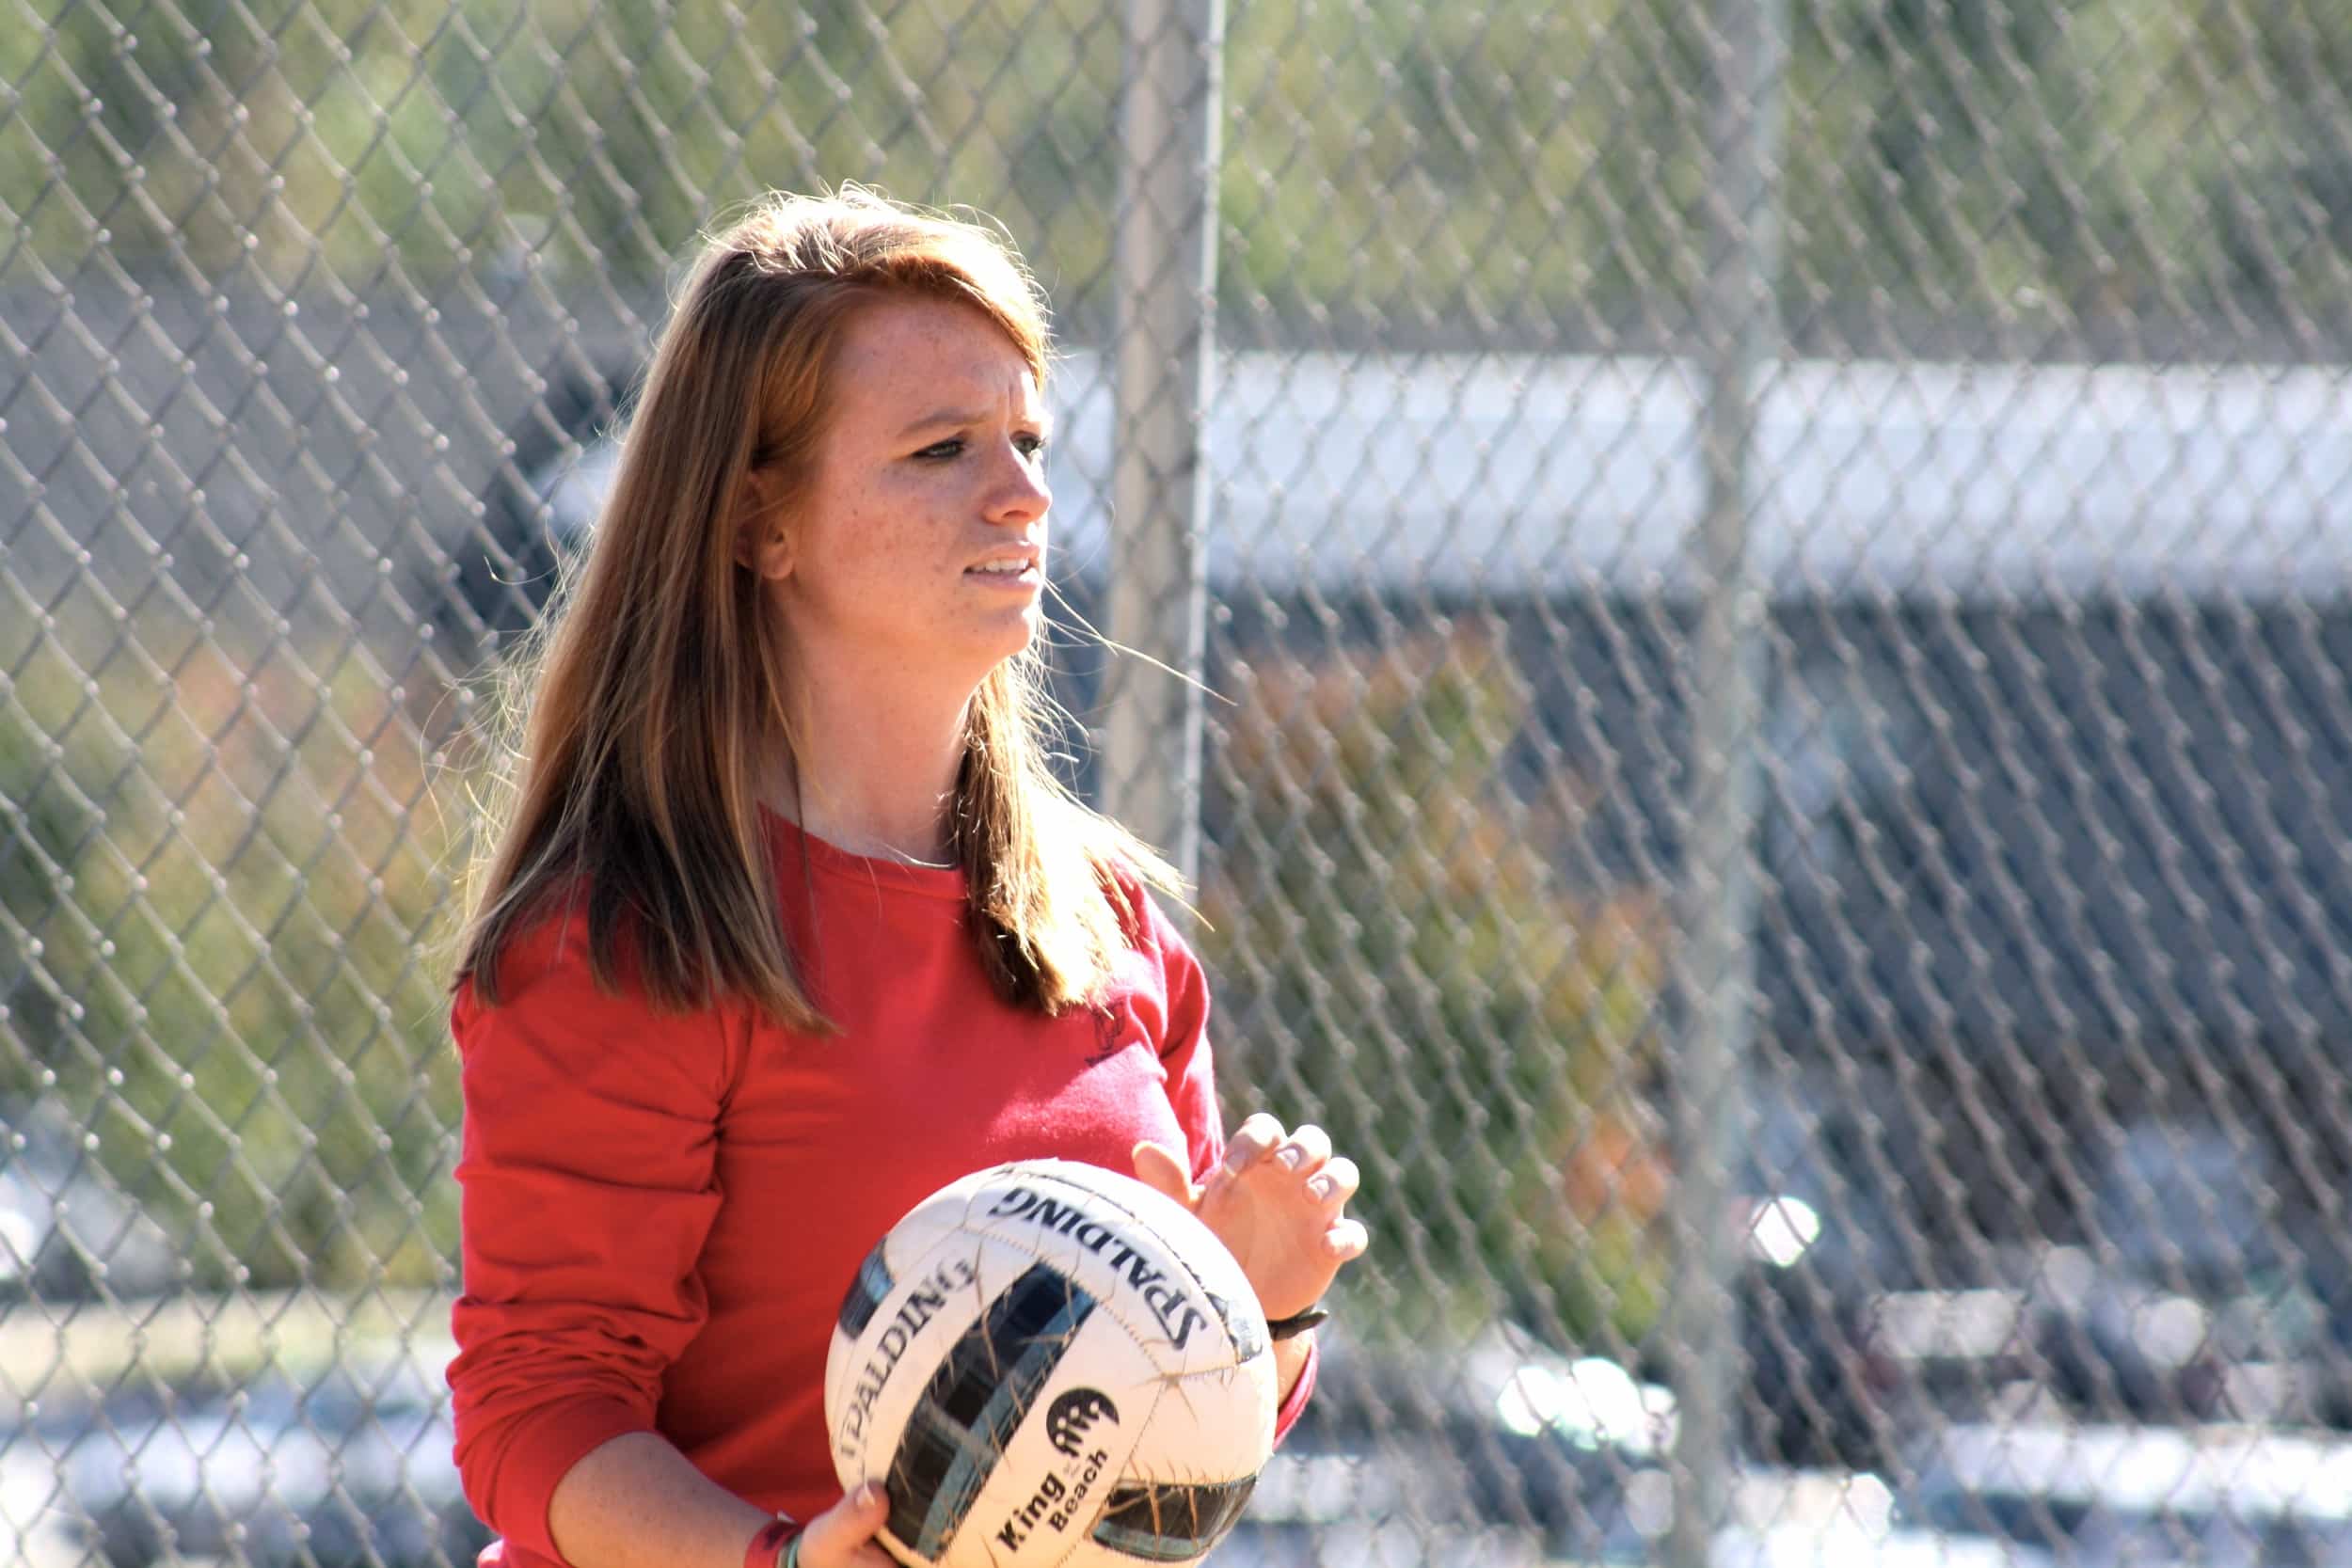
(1509, 474)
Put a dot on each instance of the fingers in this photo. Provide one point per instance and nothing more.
(1346, 1242)
(1331, 1183)
(1161, 1169)
(1261, 1139)
(1305, 1149)
(1278, 1201)
(1334, 1185)
(1281, 1166)
(1251, 1142)
(843, 1535)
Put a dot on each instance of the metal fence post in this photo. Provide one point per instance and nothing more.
(1715, 960)
(1168, 137)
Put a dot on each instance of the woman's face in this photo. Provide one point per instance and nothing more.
(918, 549)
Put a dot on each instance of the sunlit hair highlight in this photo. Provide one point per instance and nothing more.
(651, 711)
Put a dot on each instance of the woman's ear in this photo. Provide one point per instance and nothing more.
(763, 543)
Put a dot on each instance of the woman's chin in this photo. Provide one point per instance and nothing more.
(994, 646)
(1024, 629)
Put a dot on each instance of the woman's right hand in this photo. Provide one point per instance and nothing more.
(1278, 1202)
(843, 1535)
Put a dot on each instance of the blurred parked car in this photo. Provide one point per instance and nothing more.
(67, 1232)
(1820, 1391)
(2188, 1207)
(1824, 1246)
(2178, 1290)
(1509, 1456)
(1501, 1453)
(2111, 1495)
(2113, 1344)
(353, 1469)
(540, 508)
(1826, 1519)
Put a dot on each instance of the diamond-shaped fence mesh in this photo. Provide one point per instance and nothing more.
(1769, 583)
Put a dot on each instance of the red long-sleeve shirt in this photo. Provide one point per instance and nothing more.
(661, 1212)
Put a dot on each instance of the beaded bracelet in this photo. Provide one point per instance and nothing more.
(781, 1533)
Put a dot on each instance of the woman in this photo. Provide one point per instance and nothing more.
(786, 922)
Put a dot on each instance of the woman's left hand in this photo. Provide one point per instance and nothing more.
(1276, 1203)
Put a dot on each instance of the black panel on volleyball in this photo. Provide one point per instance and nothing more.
(1171, 1523)
(975, 1402)
(866, 1293)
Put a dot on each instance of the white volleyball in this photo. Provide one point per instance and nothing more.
(1047, 1363)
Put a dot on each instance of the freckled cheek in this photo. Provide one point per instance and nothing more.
(909, 527)
(889, 548)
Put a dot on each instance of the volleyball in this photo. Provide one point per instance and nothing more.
(1047, 1363)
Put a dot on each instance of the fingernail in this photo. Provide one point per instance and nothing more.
(1321, 1185)
(1288, 1158)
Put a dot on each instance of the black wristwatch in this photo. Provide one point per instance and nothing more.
(1296, 1323)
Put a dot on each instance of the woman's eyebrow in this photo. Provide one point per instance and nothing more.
(939, 417)
(942, 418)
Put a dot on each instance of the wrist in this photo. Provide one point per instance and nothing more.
(1296, 1323)
(776, 1545)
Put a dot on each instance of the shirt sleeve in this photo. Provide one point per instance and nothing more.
(586, 1172)
(1192, 1087)
(1301, 1393)
(1185, 1053)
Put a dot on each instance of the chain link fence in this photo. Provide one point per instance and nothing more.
(1770, 589)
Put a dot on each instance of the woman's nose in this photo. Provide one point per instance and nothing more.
(1021, 494)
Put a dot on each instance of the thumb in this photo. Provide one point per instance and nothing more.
(1158, 1168)
(847, 1525)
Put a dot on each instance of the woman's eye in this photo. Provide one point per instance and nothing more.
(940, 451)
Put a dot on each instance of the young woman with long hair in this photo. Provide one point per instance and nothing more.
(785, 921)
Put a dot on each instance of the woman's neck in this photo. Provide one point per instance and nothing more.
(875, 776)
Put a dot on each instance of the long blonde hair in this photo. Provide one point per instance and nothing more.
(631, 780)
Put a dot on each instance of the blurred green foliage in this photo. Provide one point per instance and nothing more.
(214, 886)
(1401, 962)
(2000, 178)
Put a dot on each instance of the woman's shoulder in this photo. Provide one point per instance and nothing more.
(561, 1032)
(569, 1005)
(1129, 896)
(553, 947)
(1143, 920)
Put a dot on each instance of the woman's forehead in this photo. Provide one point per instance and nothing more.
(932, 350)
